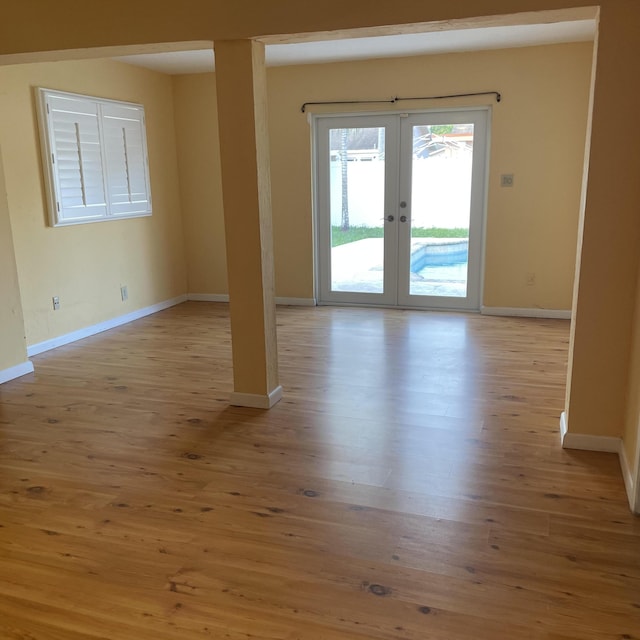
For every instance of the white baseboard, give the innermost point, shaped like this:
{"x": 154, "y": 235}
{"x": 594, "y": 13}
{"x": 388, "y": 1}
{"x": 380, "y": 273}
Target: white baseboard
{"x": 630, "y": 481}
{"x": 224, "y": 297}
{"x": 606, "y": 444}
{"x": 563, "y": 426}
{"x": 636, "y": 474}
{"x": 208, "y": 297}
{"x": 519, "y": 312}
{"x": 585, "y": 442}
{"x": 256, "y": 401}
{"x": 68, "y": 338}
{"x": 16, "y": 372}
{"x": 297, "y": 302}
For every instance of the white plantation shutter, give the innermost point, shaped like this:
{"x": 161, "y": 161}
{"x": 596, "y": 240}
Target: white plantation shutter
{"x": 76, "y": 158}
{"x": 95, "y": 158}
{"x": 126, "y": 159}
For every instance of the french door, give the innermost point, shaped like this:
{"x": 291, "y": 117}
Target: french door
{"x": 400, "y": 206}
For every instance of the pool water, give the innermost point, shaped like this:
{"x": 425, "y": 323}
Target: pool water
{"x": 448, "y": 280}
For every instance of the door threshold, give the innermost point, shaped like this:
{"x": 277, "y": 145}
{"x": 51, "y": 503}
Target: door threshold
{"x": 363, "y": 305}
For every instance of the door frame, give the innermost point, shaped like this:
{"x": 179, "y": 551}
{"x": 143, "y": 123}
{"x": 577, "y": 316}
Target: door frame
{"x": 478, "y": 205}
{"x": 323, "y": 197}
{"x": 321, "y": 274}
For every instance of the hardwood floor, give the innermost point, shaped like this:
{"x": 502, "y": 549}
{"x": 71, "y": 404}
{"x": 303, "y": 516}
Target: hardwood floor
{"x": 410, "y": 485}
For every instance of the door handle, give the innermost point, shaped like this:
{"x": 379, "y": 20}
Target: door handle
{"x": 390, "y": 218}
{"x": 403, "y": 218}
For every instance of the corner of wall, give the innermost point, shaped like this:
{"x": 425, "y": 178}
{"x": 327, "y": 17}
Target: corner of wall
{"x": 13, "y": 348}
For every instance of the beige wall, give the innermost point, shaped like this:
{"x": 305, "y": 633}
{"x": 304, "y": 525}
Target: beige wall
{"x": 540, "y": 136}
{"x": 538, "y": 133}
{"x": 13, "y": 348}
{"x": 606, "y": 292}
{"x": 85, "y": 265}
{"x": 196, "y": 125}
{"x": 631, "y": 433}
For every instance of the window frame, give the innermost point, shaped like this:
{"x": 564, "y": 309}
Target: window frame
{"x": 58, "y": 214}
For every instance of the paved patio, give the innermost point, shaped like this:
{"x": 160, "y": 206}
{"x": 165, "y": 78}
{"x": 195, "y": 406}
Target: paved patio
{"x": 358, "y": 267}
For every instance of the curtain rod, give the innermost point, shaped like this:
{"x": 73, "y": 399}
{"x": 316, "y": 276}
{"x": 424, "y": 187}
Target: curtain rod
{"x": 497, "y": 94}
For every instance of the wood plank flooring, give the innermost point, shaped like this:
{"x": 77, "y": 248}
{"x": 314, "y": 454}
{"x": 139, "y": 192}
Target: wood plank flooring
{"x": 410, "y": 485}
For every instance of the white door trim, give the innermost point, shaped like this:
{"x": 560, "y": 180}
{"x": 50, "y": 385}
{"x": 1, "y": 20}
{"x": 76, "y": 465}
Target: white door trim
{"x": 392, "y": 296}
{"x": 479, "y": 117}
{"x": 322, "y": 126}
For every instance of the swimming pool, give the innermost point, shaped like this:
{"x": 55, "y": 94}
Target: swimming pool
{"x": 438, "y": 252}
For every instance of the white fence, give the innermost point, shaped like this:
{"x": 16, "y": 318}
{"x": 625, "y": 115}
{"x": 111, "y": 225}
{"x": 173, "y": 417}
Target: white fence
{"x": 440, "y": 198}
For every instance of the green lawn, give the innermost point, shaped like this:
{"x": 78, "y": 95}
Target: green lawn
{"x": 338, "y": 236}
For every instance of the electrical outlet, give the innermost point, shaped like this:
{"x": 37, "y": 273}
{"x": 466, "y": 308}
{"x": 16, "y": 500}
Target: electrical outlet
{"x": 56, "y": 303}
{"x": 506, "y": 180}
{"x": 124, "y": 292}
{"x": 531, "y": 279}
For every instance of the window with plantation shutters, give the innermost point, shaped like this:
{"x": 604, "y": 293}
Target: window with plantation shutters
{"x": 95, "y": 158}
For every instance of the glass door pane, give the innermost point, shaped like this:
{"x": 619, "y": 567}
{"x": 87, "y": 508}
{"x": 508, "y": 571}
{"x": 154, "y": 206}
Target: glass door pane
{"x": 442, "y": 169}
{"x": 356, "y": 195}
{"x": 357, "y": 202}
{"x": 441, "y": 209}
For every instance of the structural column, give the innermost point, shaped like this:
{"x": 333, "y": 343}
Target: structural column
{"x": 246, "y": 191}
{"x": 608, "y": 255}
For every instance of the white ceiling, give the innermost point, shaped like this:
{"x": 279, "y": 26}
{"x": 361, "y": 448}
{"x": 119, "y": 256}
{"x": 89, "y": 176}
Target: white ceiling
{"x": 413, "y": 44}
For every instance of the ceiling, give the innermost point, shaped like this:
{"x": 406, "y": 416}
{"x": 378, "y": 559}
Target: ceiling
{"x": 391, "y": 46}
